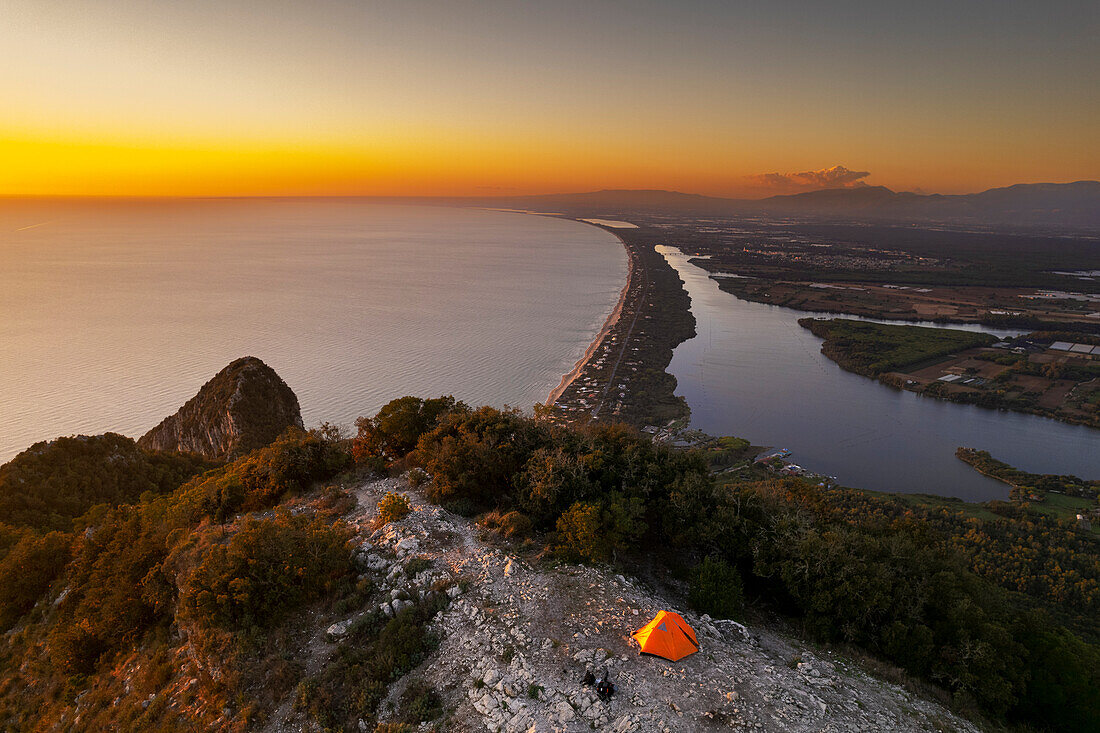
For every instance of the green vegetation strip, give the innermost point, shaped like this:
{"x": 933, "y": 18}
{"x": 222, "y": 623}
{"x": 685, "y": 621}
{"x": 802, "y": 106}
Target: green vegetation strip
{"x": 872, "y": 349}
{"x": 1061, "y": 496}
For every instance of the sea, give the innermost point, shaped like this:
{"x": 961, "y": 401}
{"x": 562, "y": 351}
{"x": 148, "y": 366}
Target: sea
{"x": 114, "y": 313}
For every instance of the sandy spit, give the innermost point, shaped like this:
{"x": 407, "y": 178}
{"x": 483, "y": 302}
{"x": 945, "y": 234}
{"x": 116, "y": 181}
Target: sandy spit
{"x": 612, "y": 319}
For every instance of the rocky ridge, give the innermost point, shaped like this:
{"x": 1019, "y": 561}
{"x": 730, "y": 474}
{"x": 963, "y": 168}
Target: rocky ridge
{"x": 245, "y": 406}
{"x": 517, "y": 637}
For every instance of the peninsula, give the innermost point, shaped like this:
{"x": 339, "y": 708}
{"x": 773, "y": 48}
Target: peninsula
{"x": 1055, "y": 374}
{"x": 622, "y": 375}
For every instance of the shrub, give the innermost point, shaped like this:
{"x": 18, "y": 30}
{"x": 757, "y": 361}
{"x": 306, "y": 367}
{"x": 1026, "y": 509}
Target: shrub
{"x": 515, "y": 524}
{"x": 393, "y": 507}
{"x": 9, "y": 536}
{"x": 27, "y": 571}
{"x": 716, "y": 589}
{"x": 116, "y": 589}
{"x": 417, "y": 477}
{"x": 355, "y": 597}
{"x": 509, "y": 524}
{"x": 579, "y": 535}
{"x": 371, "y": 464}
{"x": 552, "y": 480}
{"x": 336, "y": 502}
{"x": 594, "y": 532}
{"x": 416, "y": 566}
{"x": 477, "y": 455}
{"x": 282, "y": 675}
{"x": 75, "y": 648}
{"x": 419, "y": 703}
{"x": 292, "y": 464}
{"x": 268, "y": 568}
{"x": 394, "y": 431}
{"x": 378, "y": 652}
{"x": 120, "y": 585}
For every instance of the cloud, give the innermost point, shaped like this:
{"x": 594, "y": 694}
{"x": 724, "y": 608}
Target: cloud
{"x": 836, "y": 177}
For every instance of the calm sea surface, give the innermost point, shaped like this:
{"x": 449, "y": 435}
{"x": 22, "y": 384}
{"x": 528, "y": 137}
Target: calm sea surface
{"x": 753, "y": 371}
{"x": 114, "y": 315}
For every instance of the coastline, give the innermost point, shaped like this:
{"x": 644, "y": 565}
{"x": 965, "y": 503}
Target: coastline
{"x": 622, "y": 375}
{"x": 609, "y": 323}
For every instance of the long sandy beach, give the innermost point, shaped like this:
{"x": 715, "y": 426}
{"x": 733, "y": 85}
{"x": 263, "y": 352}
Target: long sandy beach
{"x": 608, "y": 324}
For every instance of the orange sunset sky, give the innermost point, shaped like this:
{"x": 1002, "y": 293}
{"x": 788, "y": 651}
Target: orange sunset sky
{"x": 452, "y": 97}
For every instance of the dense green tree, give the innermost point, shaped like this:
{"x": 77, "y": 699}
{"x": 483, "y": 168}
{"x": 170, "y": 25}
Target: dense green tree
{"x": 716, "y": 589}
{"x": 596, "y": 531}
{"x": 28, "y": 570}
{"x": 579, "y": 531}
{"x": 873, "y": 348}
{"x": 553, "y": 479}
{"x": 267, "y": 568}
{"x": 1064, "y": 675}
{"x": 995, "y": 604}
{"x": 394, "y": 431}
{"x": 51, "y": 484}
{"x": 477, "y": 455}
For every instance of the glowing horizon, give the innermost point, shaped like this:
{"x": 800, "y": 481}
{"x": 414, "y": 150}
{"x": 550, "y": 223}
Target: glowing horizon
{"x": 132, "y": 98}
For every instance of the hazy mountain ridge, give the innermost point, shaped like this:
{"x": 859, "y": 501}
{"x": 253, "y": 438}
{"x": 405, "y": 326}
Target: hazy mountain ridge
{"x": 1074, "y": 204}
{"x": 1058, "y": 203}
{"x": 245, "y": 406}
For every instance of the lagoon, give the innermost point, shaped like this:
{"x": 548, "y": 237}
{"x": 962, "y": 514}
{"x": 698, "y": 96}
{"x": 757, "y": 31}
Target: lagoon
{"x": 752, "y": 371}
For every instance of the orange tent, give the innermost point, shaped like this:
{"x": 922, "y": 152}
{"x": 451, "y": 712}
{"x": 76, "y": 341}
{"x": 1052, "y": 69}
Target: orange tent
{"x": 668, "y": 636}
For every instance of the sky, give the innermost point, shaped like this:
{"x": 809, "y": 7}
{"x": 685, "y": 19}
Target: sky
{"x": 457, "y": 97}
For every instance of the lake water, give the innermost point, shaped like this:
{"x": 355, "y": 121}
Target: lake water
{"x": 115, "y": 314}
{"x": 752, "y": 371}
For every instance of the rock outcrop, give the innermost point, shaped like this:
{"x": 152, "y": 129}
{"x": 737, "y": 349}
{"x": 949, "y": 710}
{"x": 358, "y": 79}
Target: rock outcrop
{"x": 244, "y": 407}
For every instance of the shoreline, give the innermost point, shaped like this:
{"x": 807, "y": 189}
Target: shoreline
{"x": 906, "y": 378}
{"x": 609, "y": 323}
{"x": 622, "y": 375}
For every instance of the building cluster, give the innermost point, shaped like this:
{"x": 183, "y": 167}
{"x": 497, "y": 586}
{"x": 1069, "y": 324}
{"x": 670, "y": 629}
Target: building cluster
{"x": 675, "y": 434}
{"x": 1063, "y": 295}
{"x": 964, "y": 379}
{"x": 777, "y": 463}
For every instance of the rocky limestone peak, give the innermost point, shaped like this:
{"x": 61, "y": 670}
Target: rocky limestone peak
{"x": 245, "y": 406}
{"x": 518, "y": 635}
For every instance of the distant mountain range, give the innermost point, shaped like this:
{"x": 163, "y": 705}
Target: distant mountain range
{"x": 1072, "y": 205}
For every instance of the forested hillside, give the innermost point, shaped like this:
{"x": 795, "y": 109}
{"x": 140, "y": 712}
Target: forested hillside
{"x": 993, "y": 607}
